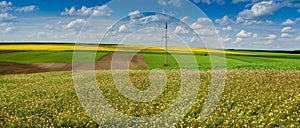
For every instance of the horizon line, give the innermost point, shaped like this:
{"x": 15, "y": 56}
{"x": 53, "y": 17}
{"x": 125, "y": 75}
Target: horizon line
{"x": 90, "y": 43}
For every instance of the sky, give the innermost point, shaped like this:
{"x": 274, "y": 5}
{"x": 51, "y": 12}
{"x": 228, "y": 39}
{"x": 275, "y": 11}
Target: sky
{"x": 236, "y": 24}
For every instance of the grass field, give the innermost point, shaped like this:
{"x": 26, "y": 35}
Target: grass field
{"x": 284, "y": 62}
{"x": 248, "y": 60}
{"x": 262, "y": 88}
{"x": 251, "y": 98}
{"x": 154, "y": 56}
{"x": 44, "y": 56}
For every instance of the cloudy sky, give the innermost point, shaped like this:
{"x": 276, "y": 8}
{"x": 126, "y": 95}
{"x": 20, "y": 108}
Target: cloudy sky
{"x": 243, "y": 24}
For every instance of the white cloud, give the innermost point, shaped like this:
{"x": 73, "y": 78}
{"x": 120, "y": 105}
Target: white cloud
{"x": 162, "y": 2}
{"x": 224, "y": 21}
{"x": 238, "y": 40}
{"x": 255, "y": 22}
{"x": 148, "y": 19}
{"x": 135, "y": 15}
{"x": 75, "y": 24}
{"x": 228, "y": 28}
{"x": 48, "y": 26}
{"x": 193, "y": 39}
{"x": 206, "y": 32}
{"x": 221, "y": 2}
{"x": 298, "y": 10}
{"x": 5, "y": 3}
{"x": 26, "y": 8}
{"x": 203, "y": 26}
{"x": 85, "y": 11}
{"x": 286, "y": 35}
{"x": 297, "y": 38}
{"x": 5, "y": 6}
{"x": 226, "y": 38}
{"x": 102, "y": 11}
{"x": 59, "y": 22}
{"x": 244, "y": 34}
{"x": 122, "y": 28}
{"x": 5, "y": 24}
{"x": 176, "y": 3}
{"x": 184, "y": 19}
{"x": 252, "y": 21}
{"x": 6, "y": 17}
{"x": 181, "y": 30}
{"x": 287, "y": 29}
{"x": 288, "y": 22}
{"x": 269, "y": 42}
{"x": 201, "y": 22}
{"x": 255, "y": 35}
{"x": 70, "y": 11}
{"x": 8, "y": 29}
{"x": 138, "y": 18}
{"x": 260, "y": 9}
{"x": 291, "y": 3}
{"x": 271, "y": 37}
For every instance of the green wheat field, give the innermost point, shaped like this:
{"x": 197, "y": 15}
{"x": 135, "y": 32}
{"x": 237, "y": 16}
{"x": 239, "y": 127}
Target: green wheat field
{"x": 262, "y": 89}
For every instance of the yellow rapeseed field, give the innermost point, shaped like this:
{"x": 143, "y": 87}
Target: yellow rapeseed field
{"x": 125, "y": 48}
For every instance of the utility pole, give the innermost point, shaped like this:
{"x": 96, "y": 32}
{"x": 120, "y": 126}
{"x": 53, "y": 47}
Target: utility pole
{"x": 166, "y": 54}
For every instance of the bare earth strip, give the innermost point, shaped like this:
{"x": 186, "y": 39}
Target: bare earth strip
{"x": 17, "y": 68}
{"x": 7, "y": 51}
{"x": 121, "y": 60}
{"x": 102, "y": 64}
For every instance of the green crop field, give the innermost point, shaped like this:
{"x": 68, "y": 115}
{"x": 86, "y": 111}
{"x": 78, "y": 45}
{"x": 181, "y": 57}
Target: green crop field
{"x": 44, "y": 56}
{"x": 149, "y": 63}
{"x": 249, "y": 60}
{"x": 266, "y": 98}
{"x": 262, "y": 89}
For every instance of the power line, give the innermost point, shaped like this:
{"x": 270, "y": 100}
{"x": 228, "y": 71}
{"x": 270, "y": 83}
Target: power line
{"x": 166, "y": 51}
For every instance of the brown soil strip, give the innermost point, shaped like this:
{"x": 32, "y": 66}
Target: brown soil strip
{"x": 7, "y": 51}
{"x": 121, "y": 61}
{"x": 16, "y": 68}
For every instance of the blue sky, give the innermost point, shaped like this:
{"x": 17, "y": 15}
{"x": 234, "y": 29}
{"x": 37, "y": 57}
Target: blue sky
{"x": 242, "y": 24}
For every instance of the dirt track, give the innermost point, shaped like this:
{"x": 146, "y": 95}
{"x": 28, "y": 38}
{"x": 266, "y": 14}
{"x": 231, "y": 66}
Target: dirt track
{"x": 7, "y": 51}
{"x": 103, "y": 63}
